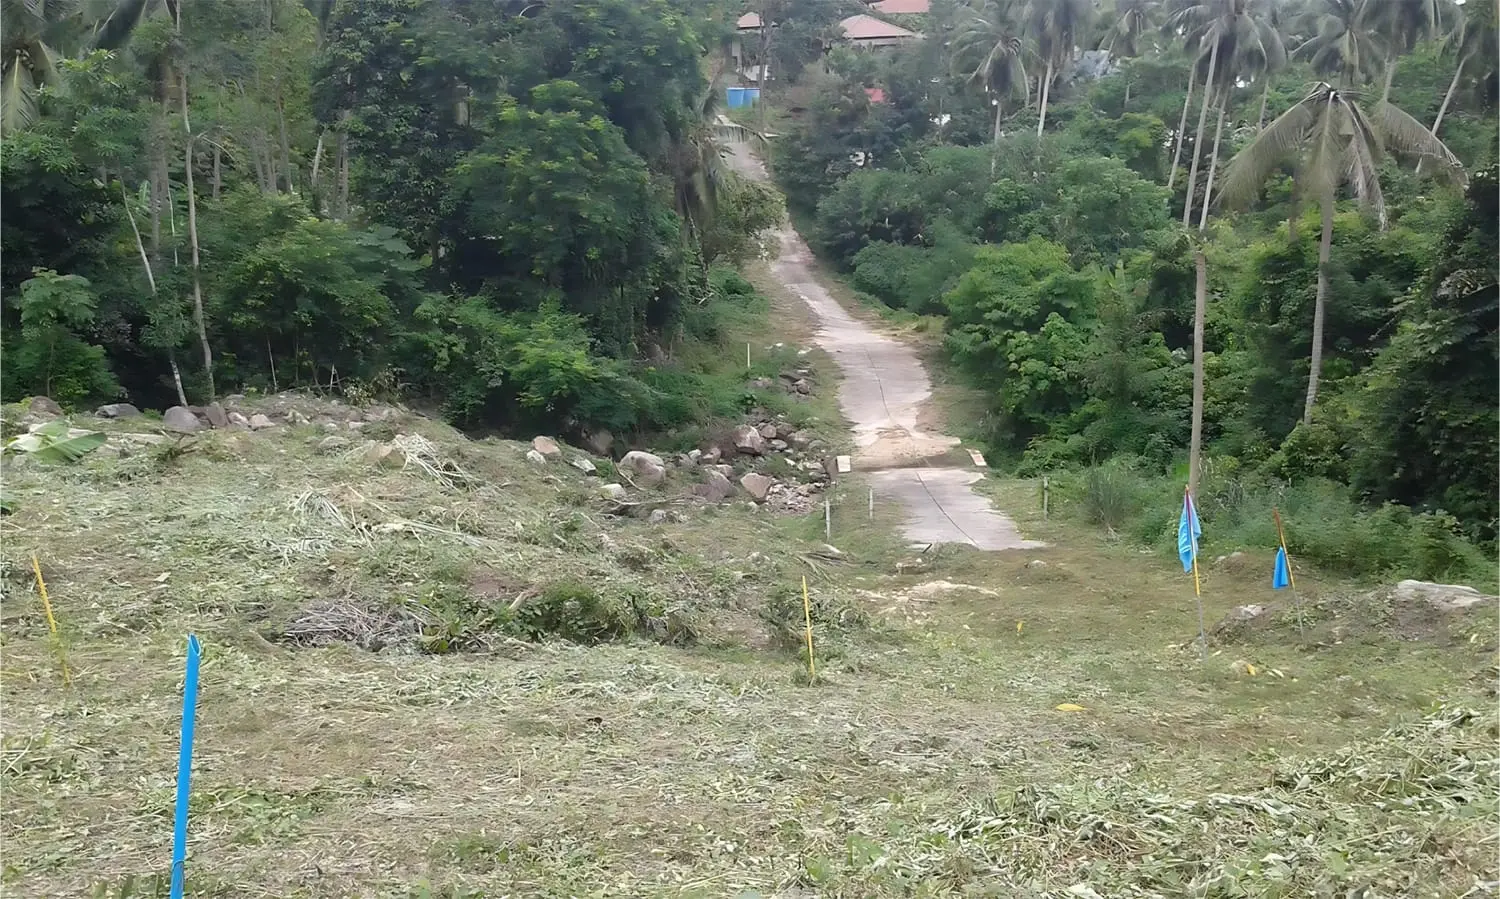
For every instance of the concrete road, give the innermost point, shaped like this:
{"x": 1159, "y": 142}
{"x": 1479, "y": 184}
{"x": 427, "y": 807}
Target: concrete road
{"x": 882, "y": 392}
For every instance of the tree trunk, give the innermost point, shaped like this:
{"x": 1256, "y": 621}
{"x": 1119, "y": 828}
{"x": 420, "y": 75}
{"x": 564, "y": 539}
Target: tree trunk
{"x": 1315, "y": 368}
{"x": 1181, "y": 130}
{"x": 1200, "y": 307}
{"x": 1390, "y": 76}
{"x": 317, "y": 160}
{"x": 1448, "y": 97}
{"x": 1213, "y": 162}
{"x": 341, "y": 201}
{"x": 192, "y": 204}
{"x": 218, "y": 173}
{"x": 1192, "y": 184}
{"x": 1126, "y": 104}
{"x": 1265, "y": 94}
{"x": 995, "y": 147}
{"x": 177, "y": 379}
{"x": 286, "y": 146}
{"x": 1046, "y": 90}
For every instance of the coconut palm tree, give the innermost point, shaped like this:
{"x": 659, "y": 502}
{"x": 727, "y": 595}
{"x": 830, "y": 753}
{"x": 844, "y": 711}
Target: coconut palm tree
{"x": 1402, "y": 24}
{"x": 1332, "y": 142}
{"x": 1472, "y": 36}
{"x": 1343, "y": 41}
{"x": 1233, "y": 35}
{"x": 1055, "y": 27}
{"x": 1132, "y": 19}
{"x": 988, "y": 49}
{"x": 34, "y": 36}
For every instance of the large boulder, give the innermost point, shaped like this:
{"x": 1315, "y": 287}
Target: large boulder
{"x": 748, "y": 441}
{"x": 216, "y": 415}
{"x": 715, "y": 487}
{"x": 648, "y": 469}
{"x": 259, "y": 422}
{"x": 711, "y": 456}
{"x": 1442, "y": 597}
{"x": 768, "y": 431}
{"x": 546, "y": 446}
{"x": 117, "y": 410}
{"x": 42, "y": 405}
{"x": 616, "y": 492}
{"x": 182, "y": 419}
{"x": 757, "y": 485}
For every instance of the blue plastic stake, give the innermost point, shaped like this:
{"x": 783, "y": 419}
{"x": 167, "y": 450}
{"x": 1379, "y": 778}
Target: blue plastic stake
{"x": 185, "y": 766}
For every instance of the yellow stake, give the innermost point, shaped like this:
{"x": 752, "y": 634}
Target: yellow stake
{"x": 812, "y": 671}
{"x": 41, "y": 587}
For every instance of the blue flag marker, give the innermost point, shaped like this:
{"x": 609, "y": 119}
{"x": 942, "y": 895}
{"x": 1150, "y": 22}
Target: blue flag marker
{"x": 1282, "y": 576}
{"x": 185, "y": 766}
{"x": 1188, "y": 532}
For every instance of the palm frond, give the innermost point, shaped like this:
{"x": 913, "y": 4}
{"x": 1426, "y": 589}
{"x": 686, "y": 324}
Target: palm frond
{"x": 1404, "y": 134}
{"x": 17, "y": 97}
{"x": 1272, "y": 147}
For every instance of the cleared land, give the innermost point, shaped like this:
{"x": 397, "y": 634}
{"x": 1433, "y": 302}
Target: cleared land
{"x": 374, "y": 722}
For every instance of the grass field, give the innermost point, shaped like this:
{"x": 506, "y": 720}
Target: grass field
{"x": 375, "y": 721}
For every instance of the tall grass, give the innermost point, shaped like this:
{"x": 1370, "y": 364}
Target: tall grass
{"x": 1325, "y": 523}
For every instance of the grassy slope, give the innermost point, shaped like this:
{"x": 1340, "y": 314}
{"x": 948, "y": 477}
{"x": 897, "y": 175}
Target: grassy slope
{"x": 930, "y": 760}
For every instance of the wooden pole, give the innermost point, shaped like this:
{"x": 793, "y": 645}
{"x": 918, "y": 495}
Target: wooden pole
{"x": 812, "y": 670}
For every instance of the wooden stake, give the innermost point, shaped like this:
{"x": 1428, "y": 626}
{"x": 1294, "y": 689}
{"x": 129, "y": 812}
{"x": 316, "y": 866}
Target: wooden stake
{"x": 812, "y": 670}
{"x": 41, "y": 588}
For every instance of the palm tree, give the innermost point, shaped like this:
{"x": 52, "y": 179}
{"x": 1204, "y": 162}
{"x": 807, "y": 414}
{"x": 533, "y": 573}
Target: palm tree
{"x": 1343, "y": 41}
{"x": 1055, "y": 27}
{"x": 1133, "y": 18}
{"x": 34, "y": 36}
{"x": 1233, "y": 35}
{"x": 1402, "y": 24}
{"x": 1332, "y": 141}
{"x": 1473, "y": 36}
{"x": 987, "y": 45}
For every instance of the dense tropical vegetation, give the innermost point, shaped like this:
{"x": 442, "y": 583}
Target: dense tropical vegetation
{"x": 520, "y": 212}
{"x": 1046, "y": 177}
{"x": 511, "y": 209}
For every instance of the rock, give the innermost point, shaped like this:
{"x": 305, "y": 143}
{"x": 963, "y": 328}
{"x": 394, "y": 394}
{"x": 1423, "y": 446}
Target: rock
{"x": 802, "y": 386}
{"x": 379, "y": 413}
{"x": 724, "y": 469}
{"x": 42, "y": 405}
{"x": 1036, "y": 565}
{"x": 1442, "y": 597}
{"x": 695, "y": 455}
{"x": 748, "y": 441}
{"x": 683, "y": 460}
{"x": 615, "y": 492}
{"x": 296, "y": 418}
{"x": 762, "y": 383}
{"x": 332, "y": 444}
{"x": 546, "y": 447}
{"x": 239, "y": 420}
{"x": 217, "y": 416}
{"x": 180, "y": 418}
{"x": 355, "y": 425}
{"x": 757, "y": 485}
{"x": 1246, "y": 613}
{"x": 259, "y": 422}
{"x": 784, "y": 429}
{"x": 584, "y": 465}
{"x": 535, "y": 458}
{"x": 767, "y": 431}
{"x": 1234, "y": 558}
{"x": 381, "y": 454}
{"x": 658, "y": 516}
{"x": 779, "y": 446}
{"x": 715, "y": 487}
{"x": 648, "y": 468}
{"x": 800, "y": 439}
{"x": 1240, "y": 666}
{"x": 599, "y": 442}
{"x": 711, "y": 456}
{"x": 117, "y": 410}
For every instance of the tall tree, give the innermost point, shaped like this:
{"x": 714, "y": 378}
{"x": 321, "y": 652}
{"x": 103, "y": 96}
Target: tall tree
{"x": 1342, "y": 41}
{"x": 1402, "y": 24}
{"x": 1472, "y": 37}
{"x": 1056, "y": 27}
{"x": 1332, "y": 141}
{"x": 987, "y": 49}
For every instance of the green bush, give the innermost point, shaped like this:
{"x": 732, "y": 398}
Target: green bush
{"x": 574, "y": 612}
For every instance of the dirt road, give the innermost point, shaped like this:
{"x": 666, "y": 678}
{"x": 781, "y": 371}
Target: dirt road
{"x": 882, "y": 392}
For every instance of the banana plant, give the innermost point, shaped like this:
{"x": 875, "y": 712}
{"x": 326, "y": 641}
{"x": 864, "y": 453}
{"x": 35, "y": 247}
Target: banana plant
{"x": 55, "y": 443}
